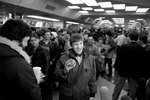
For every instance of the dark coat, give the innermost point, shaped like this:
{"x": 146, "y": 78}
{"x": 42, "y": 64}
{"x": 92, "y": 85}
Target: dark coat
{"x": 41, "y": 58}
{"x": 18, "y": 81}
{"x": 130, "y": 60}
{"x": 79, "y": 82}
{"x": 147, "y": 62}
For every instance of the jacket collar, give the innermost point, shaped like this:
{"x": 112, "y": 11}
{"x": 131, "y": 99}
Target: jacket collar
{"x": 15, "y": 46}
{"x": 73, "y": 55}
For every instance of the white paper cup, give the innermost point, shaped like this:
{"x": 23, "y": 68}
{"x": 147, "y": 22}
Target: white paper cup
{"x": 38, "y": 73}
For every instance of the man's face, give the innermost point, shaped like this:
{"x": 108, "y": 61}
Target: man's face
{"x": 78, "y": 47}
{"x": 35, "y": 41}
{"x": 47, "y": 35}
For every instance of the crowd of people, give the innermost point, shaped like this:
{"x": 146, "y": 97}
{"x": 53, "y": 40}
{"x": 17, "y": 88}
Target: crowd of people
{"x": 36, "y": 62}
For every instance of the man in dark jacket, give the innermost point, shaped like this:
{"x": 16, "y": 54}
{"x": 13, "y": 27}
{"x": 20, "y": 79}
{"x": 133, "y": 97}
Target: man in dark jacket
{"x": 129, "y": 64}
{"x": 77, "y": 72}
{"x": 40, "y": 58}
{"x": 18, "y": 81}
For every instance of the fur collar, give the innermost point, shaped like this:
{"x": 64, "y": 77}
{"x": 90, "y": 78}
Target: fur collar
{"x": 15, "y": 46}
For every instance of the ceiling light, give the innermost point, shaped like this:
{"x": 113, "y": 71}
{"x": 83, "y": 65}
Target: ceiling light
{"x": 83, "y": 12}
{"x": 43, "y": 18}
{"x": 110, "y": 11}
{"x": 116, "y": 25}
{"x": 123, "y": 25}
{"x": 139, "y": 19}
{"x": 131, "y": 21}
{"x": 142, "y": 10}
{"x": 87, "y": 8}
{"x": 119, "y": 6}
{"x": 73, "y": 7}
{"x": 105, "y": 4}
{"x": 99, "y": 10}
{"x": 75, "y": 1}
{"x": 39, "y": 24}
{"x": 118, "y": 20}
{"x": 69, "y": 22}
{"x": 90, "y": 2}
{"x": 131, "y": 8}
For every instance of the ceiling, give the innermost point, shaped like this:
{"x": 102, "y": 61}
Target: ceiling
{"x": 6, "y": 8}
{"x": 119, "y": 13}
{"x": 92, "y": 15}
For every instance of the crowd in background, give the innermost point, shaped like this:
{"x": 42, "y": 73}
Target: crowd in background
{"x": 120, "y": 57}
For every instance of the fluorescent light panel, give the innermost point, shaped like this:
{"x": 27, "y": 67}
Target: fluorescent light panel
{"x": 75, "y": 1}
{"x": 116, "y": 25}
{"x": 131, "y": 21}
{"x": 123, "y": 25}
{"x": 119, "y": 6}
{"x": 105, "y": 4}
{"x": 73, "y": 7}
{"x": 131, "y": 8}
{"x": 99, "y": 10}
{"x": 69, "y": 22}
{"x": 42, "y": 18}
{"x": 87, "y": 8}
{"x": 139, "y": 19}
{"x": 110, "y": 11}
{"x": 90, "y": 2}
{"x": 142, "y": 10}
{"x": 118, "y": 20}
{"x": 84, "y": 12}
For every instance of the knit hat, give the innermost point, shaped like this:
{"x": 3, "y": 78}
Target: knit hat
{"x": 76, "y": 37}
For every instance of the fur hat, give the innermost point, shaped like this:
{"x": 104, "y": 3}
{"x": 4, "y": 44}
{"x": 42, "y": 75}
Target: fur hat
{"x": 76, "y": 37}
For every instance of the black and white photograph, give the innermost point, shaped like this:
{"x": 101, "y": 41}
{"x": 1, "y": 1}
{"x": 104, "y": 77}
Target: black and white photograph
{"x": 74, "y": 49}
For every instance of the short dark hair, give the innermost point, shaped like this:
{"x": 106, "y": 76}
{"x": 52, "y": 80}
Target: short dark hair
{"x": 15, "y": 29}
{"x": 35, "y": 35}
{"x": 134, "y": 35}
{"x": 42, "y": 31}
{"x": 109, "y": 33}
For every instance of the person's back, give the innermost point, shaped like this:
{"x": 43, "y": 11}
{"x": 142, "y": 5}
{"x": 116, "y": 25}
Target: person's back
{"x": 130, "y": 65}
{"x": 17, "y": 78}
{"x": 18, "y": 81}
{"x": 130, "y": 57}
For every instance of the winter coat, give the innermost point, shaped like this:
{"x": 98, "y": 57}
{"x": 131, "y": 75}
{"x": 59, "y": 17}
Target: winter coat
{"x": 41, "y": 58}
{"x": 79, "y": 82}
{"x": 18, "y": 81}
{"x": 130, "y": 60}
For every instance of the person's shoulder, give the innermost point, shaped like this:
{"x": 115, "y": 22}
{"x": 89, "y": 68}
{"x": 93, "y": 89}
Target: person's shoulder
{"x": 89, "y": 56}
{"x": 42, "y": 49}
{"x": 147, "y": 47}
{"x": 64, "y": 56}
{"x": 18, "y": 62}
{"x": 17, "y": 65}
{"x": 126, "y": 45}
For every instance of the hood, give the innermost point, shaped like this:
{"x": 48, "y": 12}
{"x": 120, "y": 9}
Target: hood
{"x": 11, "y": 48}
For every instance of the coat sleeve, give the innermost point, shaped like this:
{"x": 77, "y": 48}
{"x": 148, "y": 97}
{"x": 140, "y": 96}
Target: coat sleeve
{"x": 26, "y": 79}
{"x": 60, "y": 72}
{"x": 92, "y": 81}
{"x": 116, "y": 64}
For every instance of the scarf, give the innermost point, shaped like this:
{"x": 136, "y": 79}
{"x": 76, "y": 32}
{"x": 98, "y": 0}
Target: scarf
{"x": 15, "y": 46}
